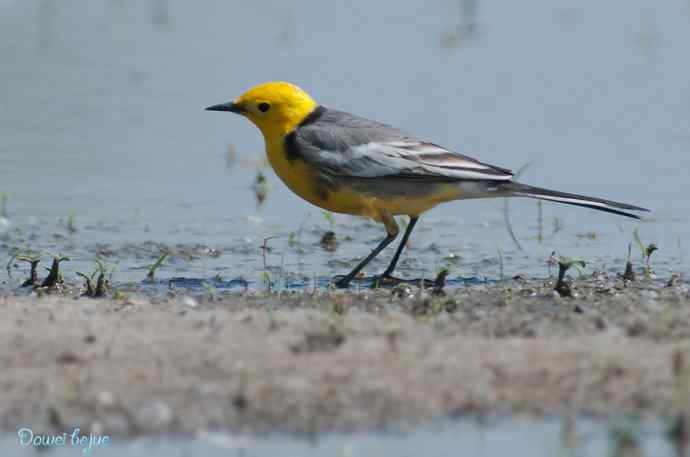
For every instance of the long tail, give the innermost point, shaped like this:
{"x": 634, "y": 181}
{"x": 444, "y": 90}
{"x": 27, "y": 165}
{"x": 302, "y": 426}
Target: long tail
{"x": 523, "y": 190}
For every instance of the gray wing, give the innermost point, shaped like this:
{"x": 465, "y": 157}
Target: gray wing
{"x": 345, "y": 145}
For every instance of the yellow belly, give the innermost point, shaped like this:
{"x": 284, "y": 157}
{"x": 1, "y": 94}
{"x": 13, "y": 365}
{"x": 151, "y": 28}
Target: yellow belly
{"x": 301, "y": 178}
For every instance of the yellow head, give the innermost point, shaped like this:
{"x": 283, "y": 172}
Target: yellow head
{"x": 276, "y": 108}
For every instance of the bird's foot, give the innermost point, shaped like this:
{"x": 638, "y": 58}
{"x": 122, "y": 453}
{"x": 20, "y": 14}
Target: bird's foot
{"x": 384, "y": 281}
{"x": 388, "y": 280}
{"x": 341, "y": 282}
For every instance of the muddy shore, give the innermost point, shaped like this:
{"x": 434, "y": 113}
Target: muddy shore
{"x": 310, "y": 362}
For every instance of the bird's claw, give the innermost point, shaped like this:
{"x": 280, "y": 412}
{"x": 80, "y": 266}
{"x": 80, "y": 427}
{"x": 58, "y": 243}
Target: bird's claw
{"x": 384, "y": 280}
{"x": 341, "y": 282}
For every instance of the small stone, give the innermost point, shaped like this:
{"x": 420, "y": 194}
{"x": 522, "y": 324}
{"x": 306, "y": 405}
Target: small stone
{"x": 105, "y": 399}
{"x": 154, "y": 416}
{"x": 133, "y": 301}
{"x": 600, "y": 323}
{"x": 97, "y": 428}
{"x": 4, "y": 226}
{"x": 629, "y": 274}
{"x": 68, "y": 357}
{"x": 329, "y": 242}
{"x": 117, "y": 423}
{"x": 451, "y": 306}
{"x": 190, "y": 301}
{"x": 673, "y": 280}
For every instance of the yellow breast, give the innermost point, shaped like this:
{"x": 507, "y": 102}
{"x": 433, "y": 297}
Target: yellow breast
{"x": 303, "y": 180}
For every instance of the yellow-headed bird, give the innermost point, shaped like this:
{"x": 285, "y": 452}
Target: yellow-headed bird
{"x": 348, "y": 164}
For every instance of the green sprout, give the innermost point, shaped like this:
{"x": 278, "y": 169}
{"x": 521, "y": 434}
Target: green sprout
{"x": 540, "y": 220}
{"x": 646, "y": 251}
{"x": 54, "y": 277}
{"x": 440, "y": 283}
{"x": 500, "y": 265}
{"x": 102, "y": 284}
{"x": 266, "y": 279}
{"x": 71, "y": 222}
{"x": 551, "y": 261}
{"x": 90, "y": 290}
{"x": 564, "y": 264}
{"x": 265, "y": 248}
{"x": 506, "y": 207}
{"x": 260, "y": 187}
{"x": 210, "y": 290}
{"x": 153, "y": 268}
{"x": 331, "y": 220}
{"x": 3, "y": 205}
{"x": 629, "y": 274}
{"x": 32, "y": 281}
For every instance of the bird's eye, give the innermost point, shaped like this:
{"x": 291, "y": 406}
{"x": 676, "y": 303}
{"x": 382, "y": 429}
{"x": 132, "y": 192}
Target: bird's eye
{"x": 263, "y": 107}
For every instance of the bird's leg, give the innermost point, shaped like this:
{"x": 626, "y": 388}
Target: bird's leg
{"x": 387, "y": 278}
{"x": 391, "y": 233}
{"x": 410, "y": 226}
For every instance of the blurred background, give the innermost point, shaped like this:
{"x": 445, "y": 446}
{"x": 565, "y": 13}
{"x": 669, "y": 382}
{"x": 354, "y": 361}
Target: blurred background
{"x": 102, "y": 118}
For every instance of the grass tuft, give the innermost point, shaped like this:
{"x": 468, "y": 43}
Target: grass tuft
{"x": 564, "y": 264}
{"x": 440, "y": 283}
{"x": 150, "y": 276}
{"x": 54, "y": 278}
{"x": 629, "y": 274}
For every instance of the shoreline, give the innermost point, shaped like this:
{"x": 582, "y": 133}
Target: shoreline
{"x": 304, "y": 363}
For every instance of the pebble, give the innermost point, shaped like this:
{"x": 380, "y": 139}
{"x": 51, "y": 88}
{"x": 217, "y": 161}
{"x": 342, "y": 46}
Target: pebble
{"x": 105, "y": 399}
{"x": 4, "y": 226}
{"x": 154, "y": 416}
{"x": 190, "y": 301}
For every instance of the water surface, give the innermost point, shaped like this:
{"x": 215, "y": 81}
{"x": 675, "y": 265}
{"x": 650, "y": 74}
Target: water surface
{"x": 517, "y": 437}
{"x": 101, "y": 118}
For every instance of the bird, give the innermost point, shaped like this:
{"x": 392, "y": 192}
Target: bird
{"x": 347, "y": 164}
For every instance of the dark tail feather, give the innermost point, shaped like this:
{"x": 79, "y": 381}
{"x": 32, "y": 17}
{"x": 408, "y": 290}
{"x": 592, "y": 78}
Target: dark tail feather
{"x": 523, "y": 190}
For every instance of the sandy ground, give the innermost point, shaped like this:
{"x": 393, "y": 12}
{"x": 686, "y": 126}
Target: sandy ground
{"x": 304, "y": 362}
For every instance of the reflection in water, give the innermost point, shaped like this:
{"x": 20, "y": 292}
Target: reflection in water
{"x": 120, "y": 118}
{"x": 260, "y": 188}
{"x": 45, "y": 17}
{"x": 136, "y": 77}
{"x": 505, "y": 437}
{"x": 466, "y": 30}
{"x": 160, "y": 14}
{"x": 570, "y": 439}
{"x": 230, "y": 158}
{"x": 679, "y": 431}
{"x": 289, "y": 30}
{"x": 647, "y": 38}
{"x": 678, "y": 435}
{"x": 626, "y": 442}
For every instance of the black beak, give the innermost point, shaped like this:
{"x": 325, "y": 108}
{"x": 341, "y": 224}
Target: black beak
{"x": 230, "y": 106}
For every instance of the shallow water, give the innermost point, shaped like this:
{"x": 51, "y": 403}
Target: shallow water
{"x": 518, "y": 437}
{"x": 101, "y": 118}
